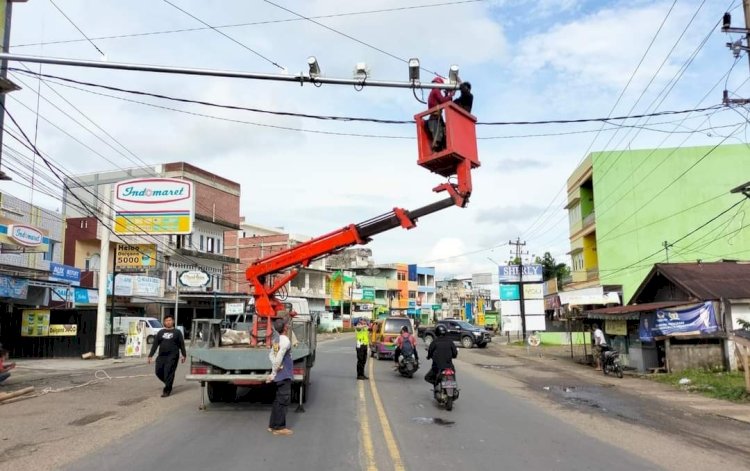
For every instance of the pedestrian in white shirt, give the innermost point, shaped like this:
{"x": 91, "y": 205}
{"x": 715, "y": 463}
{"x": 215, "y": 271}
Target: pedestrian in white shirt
{"x": 600, "y": 346}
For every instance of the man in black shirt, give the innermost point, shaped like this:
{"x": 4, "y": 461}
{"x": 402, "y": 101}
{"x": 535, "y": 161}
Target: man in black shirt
{"x": 466, "y": 100}
{"x": 441, "y": 351}
{"x": 170, "y": 343}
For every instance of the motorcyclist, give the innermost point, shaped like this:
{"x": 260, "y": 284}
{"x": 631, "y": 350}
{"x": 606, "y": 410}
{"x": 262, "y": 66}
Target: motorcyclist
{"x": 402, "y": 345}
{"x": 441, "y": 351}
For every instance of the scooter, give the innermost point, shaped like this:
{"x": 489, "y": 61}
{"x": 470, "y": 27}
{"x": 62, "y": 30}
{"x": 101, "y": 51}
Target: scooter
{"x": 407, "y": 365}
{"x": 446, "y": 388}
{"x": 611, "y": 363}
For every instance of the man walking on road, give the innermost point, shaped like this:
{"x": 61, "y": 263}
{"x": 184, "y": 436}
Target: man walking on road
{"x": 281, "y": 375}
{"x": 170, "y": 343}
{"x": 363, "y": 345}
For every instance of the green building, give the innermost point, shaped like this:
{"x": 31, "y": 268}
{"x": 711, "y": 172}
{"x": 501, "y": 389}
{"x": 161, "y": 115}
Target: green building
{"x": 630, "y": 209}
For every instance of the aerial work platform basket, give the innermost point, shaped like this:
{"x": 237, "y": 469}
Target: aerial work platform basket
{"x": 460, "y": 148}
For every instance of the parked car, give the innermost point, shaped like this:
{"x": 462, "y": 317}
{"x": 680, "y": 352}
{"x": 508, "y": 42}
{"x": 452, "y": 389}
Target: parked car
{"x": 150, "y": 325}
{"x": 466, "y": 334}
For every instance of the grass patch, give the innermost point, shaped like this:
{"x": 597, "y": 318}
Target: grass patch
{"x": 717, "y": 384}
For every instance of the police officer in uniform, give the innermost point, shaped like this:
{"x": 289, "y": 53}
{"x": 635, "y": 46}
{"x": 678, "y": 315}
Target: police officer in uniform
{"x": 363, "y": 345}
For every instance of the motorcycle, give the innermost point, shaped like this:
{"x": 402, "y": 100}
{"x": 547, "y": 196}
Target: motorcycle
{"x": 446, "y": 388}
{"x": 5, "y": 365}
{"x": 611, "y": 363}
{"x": 407, "y": 365}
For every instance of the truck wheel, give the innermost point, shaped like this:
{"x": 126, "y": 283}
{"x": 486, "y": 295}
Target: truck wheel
{"x": 467, "y": 342}
{"x": 213, "y": 390}
{"x": 230, "y": 393}
{"x": 428, "y": 339}
{"x": 150, "y": 339}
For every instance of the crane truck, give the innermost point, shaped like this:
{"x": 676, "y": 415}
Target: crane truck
{"x": 222, "y": 363}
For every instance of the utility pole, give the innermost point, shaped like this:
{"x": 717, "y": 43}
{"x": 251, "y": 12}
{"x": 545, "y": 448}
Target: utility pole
{"x": 736, "y": 46}
{"x": 666, "y": 249}
{"x": 6, "y": 12}
{"x": 101, "y": 310}
{"x": 519, "y": 254}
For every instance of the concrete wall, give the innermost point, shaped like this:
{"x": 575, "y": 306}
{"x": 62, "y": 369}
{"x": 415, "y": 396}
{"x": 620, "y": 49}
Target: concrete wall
{"x": 639, "y": 205}
{"x": 683, "y": 357}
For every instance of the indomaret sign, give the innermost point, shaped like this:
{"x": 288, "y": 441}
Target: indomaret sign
{"x": 154, "y": 206}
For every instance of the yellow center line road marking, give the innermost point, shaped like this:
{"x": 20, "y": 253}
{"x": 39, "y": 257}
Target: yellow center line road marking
{"x": 390, "y": 441}
{"x": 364, "y": 427}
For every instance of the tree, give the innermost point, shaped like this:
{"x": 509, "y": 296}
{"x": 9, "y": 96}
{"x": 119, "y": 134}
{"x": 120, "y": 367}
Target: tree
{"x": 552, "y": 269}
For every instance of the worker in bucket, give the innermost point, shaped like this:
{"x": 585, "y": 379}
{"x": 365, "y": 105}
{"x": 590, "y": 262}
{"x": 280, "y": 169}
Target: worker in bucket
{"x": 281, "y": 376}
{"x": 435, "y": 123}
{"x": 170, "y": 343}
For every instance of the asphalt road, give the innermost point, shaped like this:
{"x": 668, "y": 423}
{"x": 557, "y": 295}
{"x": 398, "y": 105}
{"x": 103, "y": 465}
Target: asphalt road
{"x": 387, "y": 423}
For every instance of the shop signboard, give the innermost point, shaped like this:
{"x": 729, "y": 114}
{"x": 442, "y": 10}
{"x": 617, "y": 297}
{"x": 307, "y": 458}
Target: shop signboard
{"x": 509, "y": 293}
{"x": 234, "y": 308}
{"x": 154, "y": 206}
{"x": 533, "y": 291}
{"x": 615, "y": 327}
{"x": 514, "y": 273}
{"x": 368, "y": 294}
{"x": 65, "y": 273}
{"x": 194, "y": 278}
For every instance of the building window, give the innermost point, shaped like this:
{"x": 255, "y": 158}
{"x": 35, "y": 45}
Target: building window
{"x": 172, "y": 278}
{"x": 401, "y": 276}
{"x": 218, "y": 245}
{"x": 201, "y": 246}
{"x": 48, "y": 255}
{"x": 210, "y": 244}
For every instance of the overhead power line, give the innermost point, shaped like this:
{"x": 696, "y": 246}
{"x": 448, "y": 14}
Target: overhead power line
{"x": 76, "y": 27}
{"x": 347, "y": 118}
{"x": 224, "y": 34}
{"x": 254, "y": 23}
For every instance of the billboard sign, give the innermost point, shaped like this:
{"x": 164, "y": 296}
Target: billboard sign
{"x": 154, "y": 206}
{"x": 533, "y": 291}
{"x": 234, "y": 308}
{"x": 512, "y": 273}
{"x": 136, "y": 256}
{"x": 509, "y": 293}
{"x": 194, "y": 278}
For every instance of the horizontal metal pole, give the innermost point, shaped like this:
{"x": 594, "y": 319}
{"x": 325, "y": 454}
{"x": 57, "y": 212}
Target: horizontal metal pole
{"x": 299, "y": 78}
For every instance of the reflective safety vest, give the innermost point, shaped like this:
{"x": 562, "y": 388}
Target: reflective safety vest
{"x": 363, "y": 337}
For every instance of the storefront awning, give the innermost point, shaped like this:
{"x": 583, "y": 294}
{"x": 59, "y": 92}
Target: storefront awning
{"x": 632, "y": 311}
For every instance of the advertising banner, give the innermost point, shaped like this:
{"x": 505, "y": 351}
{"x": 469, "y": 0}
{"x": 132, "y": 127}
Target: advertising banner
{"x": 63, "y": 330}
{"x": 135, "y": 339}
{"x": 35, "y": 323}
{"x": 136, "y": 256}
{"x": 154, "y": 206}
{"x": 13, "y": 287}
{"x": 692, "y": 320}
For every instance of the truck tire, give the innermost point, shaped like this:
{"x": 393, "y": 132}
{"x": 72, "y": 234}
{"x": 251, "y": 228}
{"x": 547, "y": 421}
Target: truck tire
{"x": 467, "y": 342}
{"x": 221, "y": 392}
{"x": 150, "y": 339}
{"x": 213, "y": 390}
{"x": 428, "y": 339}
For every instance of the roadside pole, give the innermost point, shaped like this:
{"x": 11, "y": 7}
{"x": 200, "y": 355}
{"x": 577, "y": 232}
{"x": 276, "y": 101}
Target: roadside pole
{"x": 114, "y": 345}
{"x": 101, "y": 309}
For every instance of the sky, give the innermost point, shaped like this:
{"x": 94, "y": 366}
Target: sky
{"x": 536, "y": 60}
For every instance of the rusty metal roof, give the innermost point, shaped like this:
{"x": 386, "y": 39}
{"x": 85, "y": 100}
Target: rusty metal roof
{"x": 707, "y": 281}
{"x": 635, "y": 308}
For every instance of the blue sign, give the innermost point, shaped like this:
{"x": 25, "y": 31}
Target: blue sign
{"x": 60, "y": 272}
{"x": 512, "y": 273}
{"x": 509, "y": 293}
{"x": 13, "y": 287}
{"x": 684, "y": 321}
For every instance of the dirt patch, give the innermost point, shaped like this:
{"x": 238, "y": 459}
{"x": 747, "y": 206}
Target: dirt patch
{"x": 131, "y": 401}
{"x": 17, "y": 451}
{"x": 91, "y": 418}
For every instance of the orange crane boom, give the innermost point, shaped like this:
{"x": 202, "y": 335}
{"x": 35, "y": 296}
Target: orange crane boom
{"x": 456, "y": 159}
